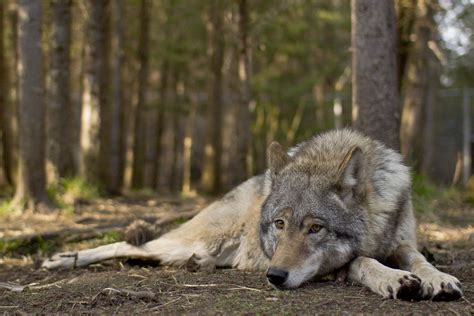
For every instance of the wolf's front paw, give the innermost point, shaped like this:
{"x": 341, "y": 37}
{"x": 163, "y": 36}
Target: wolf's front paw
{"x": 441, "y": 286}
{"x": 405, "y": 286}
{"x": 196, "y": 263}
{"x": 61, "y": 260}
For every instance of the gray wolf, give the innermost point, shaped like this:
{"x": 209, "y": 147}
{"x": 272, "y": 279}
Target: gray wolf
{"x": 339, "y": 201}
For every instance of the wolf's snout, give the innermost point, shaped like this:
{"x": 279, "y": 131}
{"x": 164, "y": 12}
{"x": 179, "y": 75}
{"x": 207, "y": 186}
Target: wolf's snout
{"x": 276, "y": 276}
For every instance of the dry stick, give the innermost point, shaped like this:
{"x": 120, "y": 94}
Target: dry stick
{"x": 240, "y": 287}
{"x": 21, "y": 288}
{"x": 138, "y": 294}
{"x": 165, "y": 304}
{"x": 469, "y": 302}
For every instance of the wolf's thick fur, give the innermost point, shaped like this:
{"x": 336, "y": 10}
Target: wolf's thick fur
{"x": 337, "y": 201}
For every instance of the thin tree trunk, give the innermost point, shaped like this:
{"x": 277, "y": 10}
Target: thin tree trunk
{"x": 31, "y": 188}
{"x": 375, "y": 107}
{"x": 59, "y": 149}
{"x": 77, "y": 83}
{"x": 416, "y": 84}
{"x": 141, "y": 111}
{"x": 94, "y": 91}
{"x": 210, "y": 180}
{"x": 467, "y": 132}
{"x": 167, "y": 143}
{"x": 243, "y": 158}
{"x": 406, "y": 16}
{"x": 428, "y": 154}
{"x": 9, "y": 119}
{"x": 178, "y": 146}
{"x": 188, "y": 148}
{"x": 3, "y": 89}
{"x": 115, "y": 165}
{"x": 161, "y": 168}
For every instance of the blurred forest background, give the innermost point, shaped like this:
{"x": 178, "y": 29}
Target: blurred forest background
{"x": 182, "y": 97}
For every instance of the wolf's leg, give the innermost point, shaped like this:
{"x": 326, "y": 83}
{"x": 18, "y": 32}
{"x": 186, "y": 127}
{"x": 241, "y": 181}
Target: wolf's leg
{"x": 388, "y": 282}
{"x": 436, "y": 285}
{"x": 169, "y": 251}
{"x": 88, "y": 256}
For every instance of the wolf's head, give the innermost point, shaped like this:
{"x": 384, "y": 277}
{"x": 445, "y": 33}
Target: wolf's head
{"x": 311, "y": 221}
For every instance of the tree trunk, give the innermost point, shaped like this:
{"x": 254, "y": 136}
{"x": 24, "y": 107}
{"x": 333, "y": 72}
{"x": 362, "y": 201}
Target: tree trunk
{"x": 9, "y": 117}
{"x": 210, "y": 180}
{"x": 406, "y": 16}
{"x": 466, "y": 132}
{"x": 162, "y": 169}
{"x": 3, "y": 89}
{"x": 188, "y": 148}
{"x": 59, "y": 149}
{"x": 32, "y": 175}
{"x": 114, "y": 175}
{"x": 167, "y": 143}
{"x": 416, "y": 83}
{"x": 243, "y": 158}
{"x": 94, "y": 91}
{"x": 375, "y": 107}
{"x": 428, "y": 148}
{"x": 178, "y": 122}
{"x": 139, "y": 147}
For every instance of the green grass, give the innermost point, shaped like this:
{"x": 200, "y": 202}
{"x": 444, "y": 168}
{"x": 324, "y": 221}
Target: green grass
{"x": 111, "y": 237}
{"x": 69, "y": 190}
{"x": 6, "y": 207}
{"x": 428, "y": 197}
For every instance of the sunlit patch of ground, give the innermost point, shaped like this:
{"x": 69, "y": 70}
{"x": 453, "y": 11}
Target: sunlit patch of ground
{"x": 438, "y": 232}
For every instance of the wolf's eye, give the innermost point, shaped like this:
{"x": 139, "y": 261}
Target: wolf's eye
{"x": 279, "y": 224}
{"x": 315, "y": 228}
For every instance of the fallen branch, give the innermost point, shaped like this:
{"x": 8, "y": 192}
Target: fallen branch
{"x": 79, "y": 234}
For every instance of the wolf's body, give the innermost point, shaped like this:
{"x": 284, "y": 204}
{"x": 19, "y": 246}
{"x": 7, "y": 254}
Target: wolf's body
{"x": 337, "y": 200}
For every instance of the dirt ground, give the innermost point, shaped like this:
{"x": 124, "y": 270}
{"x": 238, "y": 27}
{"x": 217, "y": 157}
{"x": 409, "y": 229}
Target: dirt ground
{"x": 125, "y": 286}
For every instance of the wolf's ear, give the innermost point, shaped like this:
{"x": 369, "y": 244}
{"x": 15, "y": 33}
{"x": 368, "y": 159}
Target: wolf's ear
{"x": 277, "y": 158}
{"x": 350, "y": 172}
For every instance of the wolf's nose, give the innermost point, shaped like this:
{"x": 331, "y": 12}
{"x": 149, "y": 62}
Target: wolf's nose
{"x": 276, "y": 276}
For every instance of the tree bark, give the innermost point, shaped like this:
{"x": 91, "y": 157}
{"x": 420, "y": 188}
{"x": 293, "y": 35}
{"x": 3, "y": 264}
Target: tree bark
{"x": 210, "y": 180}
{"x": 3, "y": 89}
{"x": 94, "y": 91}
{"x": 406, "y": 16}
{"x": 114, "y": 174}
{"x": 139, "y": 147}
{"x": 243, "y": 158}
{"x": 31, "y": 185}
{"x": 59, "y": 150}
{"x": 9, "y": 117}
{"x": 417, "y": 81}
{"x": 168, "y": 134}
{"x": 375, "y": 101}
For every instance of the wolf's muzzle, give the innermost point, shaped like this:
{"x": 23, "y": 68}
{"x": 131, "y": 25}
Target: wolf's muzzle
{"x": 276, "y": 276}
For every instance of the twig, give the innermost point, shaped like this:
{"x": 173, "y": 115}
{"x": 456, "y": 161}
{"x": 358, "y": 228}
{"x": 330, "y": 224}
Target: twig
{"x": 200, "y": 285}
{"x": 32, "y": 286}
{"x": 165, "y": 304}
{"x": 453, "y": 311}
{"x": 239, "y": 287}
{"x": 138, "y": 294}
{"x": 469, "y": 302}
